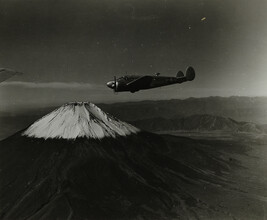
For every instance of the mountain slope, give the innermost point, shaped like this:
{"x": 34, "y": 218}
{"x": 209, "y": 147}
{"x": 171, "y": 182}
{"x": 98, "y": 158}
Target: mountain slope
{"x": 124, "y": 178}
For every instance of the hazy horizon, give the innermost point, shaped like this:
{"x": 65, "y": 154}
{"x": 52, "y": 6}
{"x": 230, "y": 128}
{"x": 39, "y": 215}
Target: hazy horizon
{"x": 17, "y": 108}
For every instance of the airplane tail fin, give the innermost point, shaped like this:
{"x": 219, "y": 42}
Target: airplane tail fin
{"x": 190, "y": 73}
{"x": 180, "y": 74}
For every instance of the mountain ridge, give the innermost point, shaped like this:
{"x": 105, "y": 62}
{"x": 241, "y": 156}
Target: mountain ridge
{"x": 250, "y": 109}
{"x": 202, "y": 122}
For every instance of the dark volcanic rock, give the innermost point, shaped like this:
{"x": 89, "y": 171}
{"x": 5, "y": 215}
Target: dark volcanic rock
{"x": 131, "y": 177}
{"x": 80, "y": 179}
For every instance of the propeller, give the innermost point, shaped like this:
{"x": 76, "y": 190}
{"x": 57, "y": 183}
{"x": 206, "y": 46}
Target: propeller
{"x": 115, "y": 85}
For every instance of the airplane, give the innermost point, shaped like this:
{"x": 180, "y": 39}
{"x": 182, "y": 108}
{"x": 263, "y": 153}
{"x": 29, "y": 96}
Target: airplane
{"x": 7, "y": 73}
{"x": 134, "y": 83}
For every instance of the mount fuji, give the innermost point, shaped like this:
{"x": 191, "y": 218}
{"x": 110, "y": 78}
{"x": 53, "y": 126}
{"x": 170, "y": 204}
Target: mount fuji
{"x": 76, "y": 120}
{"x": 79, "y": 162}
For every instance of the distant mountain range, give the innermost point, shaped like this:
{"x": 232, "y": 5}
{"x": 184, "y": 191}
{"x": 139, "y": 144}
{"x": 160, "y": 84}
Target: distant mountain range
{"x": 250, "y": 109}
{"x": 198, "y": 123}
{"x": 247, "y": 109}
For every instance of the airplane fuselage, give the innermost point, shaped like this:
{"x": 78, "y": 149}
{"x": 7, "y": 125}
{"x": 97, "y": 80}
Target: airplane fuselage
{"x": 155, "y": 81}
{"x": 134, "y": 83}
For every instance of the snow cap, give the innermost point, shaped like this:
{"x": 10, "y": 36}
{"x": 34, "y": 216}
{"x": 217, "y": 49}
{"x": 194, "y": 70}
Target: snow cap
{"x": 79, "y": 120}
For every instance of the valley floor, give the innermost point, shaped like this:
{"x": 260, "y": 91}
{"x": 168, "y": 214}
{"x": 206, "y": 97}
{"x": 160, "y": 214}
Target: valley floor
{"x": 238, "y": 193}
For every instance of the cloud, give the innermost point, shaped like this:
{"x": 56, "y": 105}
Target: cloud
{"x": 54, "y": 85}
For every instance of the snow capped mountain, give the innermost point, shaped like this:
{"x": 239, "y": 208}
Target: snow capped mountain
{"x": 77, "y": 120}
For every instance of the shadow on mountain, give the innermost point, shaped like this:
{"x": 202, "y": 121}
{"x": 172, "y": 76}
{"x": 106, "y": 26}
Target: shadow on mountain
{"x": 136, "y": 177}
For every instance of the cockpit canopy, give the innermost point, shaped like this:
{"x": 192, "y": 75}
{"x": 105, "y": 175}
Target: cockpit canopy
{"x": 128, "y": 77}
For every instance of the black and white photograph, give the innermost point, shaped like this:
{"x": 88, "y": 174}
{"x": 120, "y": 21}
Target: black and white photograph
{"x": 133, "y": 110}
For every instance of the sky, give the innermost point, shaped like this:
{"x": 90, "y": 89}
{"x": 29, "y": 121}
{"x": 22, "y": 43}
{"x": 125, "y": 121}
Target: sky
{"x": 69, "y": 49}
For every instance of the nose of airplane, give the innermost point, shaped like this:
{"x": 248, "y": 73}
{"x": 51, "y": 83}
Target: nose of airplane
{"x": 110, "y": 84}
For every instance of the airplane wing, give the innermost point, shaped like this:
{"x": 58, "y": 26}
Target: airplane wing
{"x": 7, "y": 73}
{"x": 141, "y": 82}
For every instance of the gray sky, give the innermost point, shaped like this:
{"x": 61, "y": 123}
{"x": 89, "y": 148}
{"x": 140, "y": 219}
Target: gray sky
{"x": 69, "y": 49}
